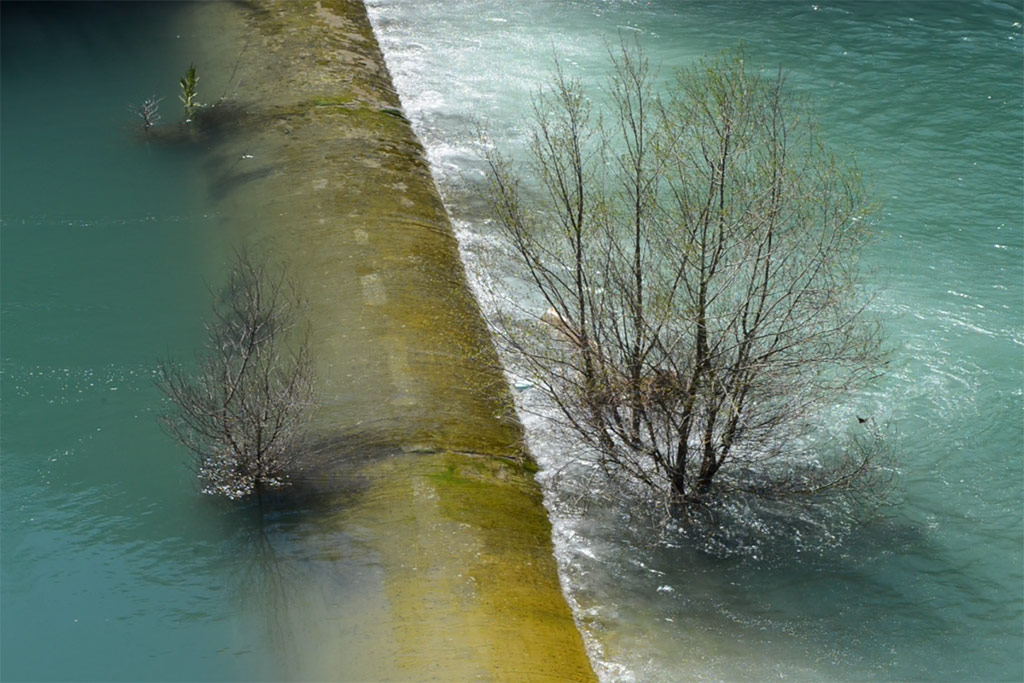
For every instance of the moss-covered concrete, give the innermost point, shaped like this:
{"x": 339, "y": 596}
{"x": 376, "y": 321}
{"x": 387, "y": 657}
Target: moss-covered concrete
{"x": 325, "y": 173}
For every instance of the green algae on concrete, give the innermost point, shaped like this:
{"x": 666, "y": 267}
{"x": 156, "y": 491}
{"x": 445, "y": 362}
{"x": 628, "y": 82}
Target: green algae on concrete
{"x": 326, "y": 175}
{"x": 471, "y": 582}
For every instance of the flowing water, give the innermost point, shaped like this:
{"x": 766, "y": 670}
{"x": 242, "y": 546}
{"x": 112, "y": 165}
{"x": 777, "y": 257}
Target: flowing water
{"x": 113, "y": 568}
{"x": 928, "y": 98}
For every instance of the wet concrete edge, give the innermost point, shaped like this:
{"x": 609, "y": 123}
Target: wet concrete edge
{"x": 327, "y": 175}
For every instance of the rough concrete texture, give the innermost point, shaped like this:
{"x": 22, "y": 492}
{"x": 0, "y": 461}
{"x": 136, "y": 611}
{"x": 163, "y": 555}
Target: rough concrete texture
{"x": 319, "y": 167}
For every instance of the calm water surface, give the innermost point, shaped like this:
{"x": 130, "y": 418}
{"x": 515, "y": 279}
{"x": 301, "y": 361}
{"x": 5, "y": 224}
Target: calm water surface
{"x": 928, "y": 97}
{"x": 113, "y": 567}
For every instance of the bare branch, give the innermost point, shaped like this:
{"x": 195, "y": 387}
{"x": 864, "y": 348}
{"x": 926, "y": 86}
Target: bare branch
{"x": 697, "y": 262}
{"x": 243, "y": 411}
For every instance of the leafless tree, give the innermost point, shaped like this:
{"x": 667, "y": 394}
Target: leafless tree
{"x": 148, "y": 111}
{"x": 694, "y": 264}
{"x": 243, "y": 410}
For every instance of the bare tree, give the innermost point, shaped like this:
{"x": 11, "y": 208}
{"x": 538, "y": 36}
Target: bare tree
{"x": 697, "y": 257}
{"x": 148, "y": 111}
{"x": 243, "y": 411}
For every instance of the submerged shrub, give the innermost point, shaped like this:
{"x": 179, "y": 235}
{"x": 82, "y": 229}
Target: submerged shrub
{"x": 243, "y": 411}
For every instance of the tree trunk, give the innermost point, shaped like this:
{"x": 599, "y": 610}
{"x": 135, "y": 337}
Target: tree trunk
{"x": 677, "y": 480}
{"x": 708, "y": 470}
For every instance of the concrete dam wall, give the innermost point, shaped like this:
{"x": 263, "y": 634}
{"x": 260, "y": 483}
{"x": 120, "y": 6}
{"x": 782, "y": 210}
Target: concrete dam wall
{"x": 324, "y": 173}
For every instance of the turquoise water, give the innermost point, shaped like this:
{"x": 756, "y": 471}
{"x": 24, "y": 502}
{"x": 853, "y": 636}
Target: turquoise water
{"x": 928, "y": 96}
{"x": 113, "y": 567}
